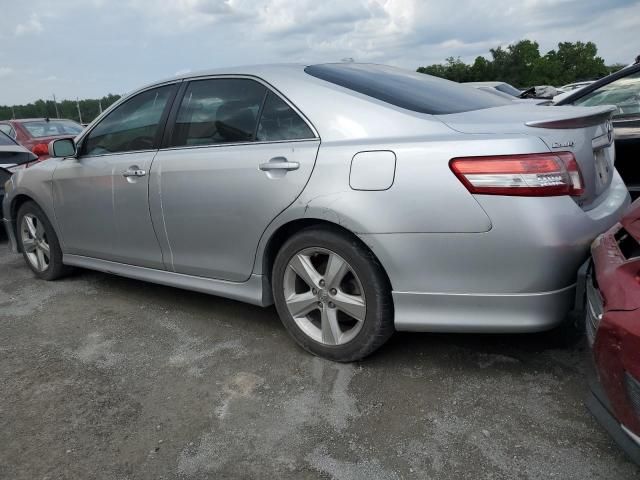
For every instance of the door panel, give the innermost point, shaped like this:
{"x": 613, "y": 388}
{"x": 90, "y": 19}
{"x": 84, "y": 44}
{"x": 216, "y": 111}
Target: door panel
{"x": 101, "y": 199}
{"x": 103, "y": 214}
{"x": 215, "y": 202}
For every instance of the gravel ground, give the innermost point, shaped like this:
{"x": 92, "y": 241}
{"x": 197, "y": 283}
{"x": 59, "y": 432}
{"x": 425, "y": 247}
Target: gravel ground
{"x": 104, "y": 377}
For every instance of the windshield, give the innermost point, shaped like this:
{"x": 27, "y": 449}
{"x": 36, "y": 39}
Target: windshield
{"x": 509, "y": 89}
{"x": 410, "y": 90}
{"x": 624, "y": 93}
{"x": 52, "y": 128}
{"x": 498, "y": 93}
{"x": 6, "y": 140}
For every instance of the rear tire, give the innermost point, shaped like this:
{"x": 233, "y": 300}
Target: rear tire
{"x": 332, "y": 294}
{"x": 39, "y": 243}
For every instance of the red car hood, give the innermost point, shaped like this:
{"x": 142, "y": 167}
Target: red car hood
{"x": 618, "y": 277}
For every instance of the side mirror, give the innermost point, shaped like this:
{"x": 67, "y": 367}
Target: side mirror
{"x": 62, "y": 147}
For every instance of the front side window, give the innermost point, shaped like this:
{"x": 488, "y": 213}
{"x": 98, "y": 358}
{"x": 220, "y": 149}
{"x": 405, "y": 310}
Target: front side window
{"x": 223, "y": 110}
{"x": 624, "y": 93}
{"x": 280, "y": 122}
{"x": 132, "y": 126}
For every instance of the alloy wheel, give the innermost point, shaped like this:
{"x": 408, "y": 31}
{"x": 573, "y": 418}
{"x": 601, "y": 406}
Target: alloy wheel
{"x": 324, "y": 296}
{"x": 34, "y": 242}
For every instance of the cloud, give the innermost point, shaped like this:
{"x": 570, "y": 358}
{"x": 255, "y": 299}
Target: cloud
{"x": 121, "y": 44}
{"x": 32, "y": 25}
{"x": 396, "y": 31}
{"x": 5, "y": 71}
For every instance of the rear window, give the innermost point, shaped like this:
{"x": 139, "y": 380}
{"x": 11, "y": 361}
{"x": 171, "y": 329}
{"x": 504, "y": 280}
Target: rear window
{"x": 52, "y": 128}
{"x": 410, "y": 90}
{"x": 509, "y": 89}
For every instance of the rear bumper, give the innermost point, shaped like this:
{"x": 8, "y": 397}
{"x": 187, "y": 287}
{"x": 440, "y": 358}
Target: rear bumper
{"x": 482, "y": 313}
{"x": 517, "y": 277}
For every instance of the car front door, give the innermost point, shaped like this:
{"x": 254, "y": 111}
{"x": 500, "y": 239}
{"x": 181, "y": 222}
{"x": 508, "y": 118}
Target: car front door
{"x": 237, "y": 155}
{"x": 101, "y": 197}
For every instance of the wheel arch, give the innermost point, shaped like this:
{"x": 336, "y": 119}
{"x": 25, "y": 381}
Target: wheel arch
{"x": 285, "y": 231}
{"x": 14, "y": 207}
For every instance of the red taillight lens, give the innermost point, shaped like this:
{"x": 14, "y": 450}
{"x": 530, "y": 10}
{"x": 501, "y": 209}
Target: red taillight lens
{"x": 40, "y": 149}
{"x": 534, "y": 175}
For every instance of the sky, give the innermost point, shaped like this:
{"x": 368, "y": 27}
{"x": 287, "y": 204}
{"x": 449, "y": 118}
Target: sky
{"x": 89, "y": 48}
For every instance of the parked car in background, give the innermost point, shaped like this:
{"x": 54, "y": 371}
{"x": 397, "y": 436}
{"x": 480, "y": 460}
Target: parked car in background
{"x": 621, "y": 89}
{"x": 574, "y": 86}
{"x": 12, "y": 156}
{"x": 610, "y": 289}
{"x": 506, "y": 96}
{"x": 360, "y": 199}
{"x": 36, "y": 133}
{"x": 500, "y": 86}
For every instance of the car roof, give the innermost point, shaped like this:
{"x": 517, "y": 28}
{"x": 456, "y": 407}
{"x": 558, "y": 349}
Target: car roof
{"x": 42, "y": 119}
{"x": 249, "y": 70}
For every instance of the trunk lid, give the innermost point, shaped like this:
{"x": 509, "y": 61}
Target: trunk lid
{"x": 11, "y": 155}
{"x": 584, "y": 131}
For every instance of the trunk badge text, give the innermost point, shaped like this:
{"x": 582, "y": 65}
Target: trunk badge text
{"x": 570, "y": 143}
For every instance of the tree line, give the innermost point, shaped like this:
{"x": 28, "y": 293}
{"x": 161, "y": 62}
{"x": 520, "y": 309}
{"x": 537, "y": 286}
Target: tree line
{"x": 89, "y": 109}
{"x": 522, "y": 65}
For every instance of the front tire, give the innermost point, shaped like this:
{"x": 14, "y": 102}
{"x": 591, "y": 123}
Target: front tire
{"x": 332, "y": 294}
{"x": 39, "y": 243}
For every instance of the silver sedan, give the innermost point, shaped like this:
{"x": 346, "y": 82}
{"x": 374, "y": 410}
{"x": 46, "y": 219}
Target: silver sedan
{"x": 360, "y": 199}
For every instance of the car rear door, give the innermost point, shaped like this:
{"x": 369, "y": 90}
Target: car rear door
{"x": 101, "y": 197}
{"x": 237, "y": 154}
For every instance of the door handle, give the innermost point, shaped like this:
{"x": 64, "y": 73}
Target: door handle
{"x": 134, "y": 173}
{"x": 279, "y": 163}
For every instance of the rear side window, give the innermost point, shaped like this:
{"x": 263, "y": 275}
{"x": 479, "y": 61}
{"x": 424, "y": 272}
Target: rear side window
{"x": 223, "y": 110}
{"x": 5, "y": 139}
{"x": 280, "y": 122}
{"x": 8, "y": 131}
{"x": 410, "y": 90}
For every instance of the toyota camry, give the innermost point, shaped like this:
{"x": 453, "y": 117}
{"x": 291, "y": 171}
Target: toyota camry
{"x": 360, "y": 199}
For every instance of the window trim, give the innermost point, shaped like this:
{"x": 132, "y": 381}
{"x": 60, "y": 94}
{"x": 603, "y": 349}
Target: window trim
{"x": 162, "y": 123}
{"x": 171, "y": 121}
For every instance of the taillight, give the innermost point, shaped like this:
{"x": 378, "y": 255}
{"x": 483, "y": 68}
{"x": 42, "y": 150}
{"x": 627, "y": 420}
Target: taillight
{"x": 40, "y": 149}
{"x": 533, "y": 175}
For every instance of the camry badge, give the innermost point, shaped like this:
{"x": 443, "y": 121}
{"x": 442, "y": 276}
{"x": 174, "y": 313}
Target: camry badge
{"x": 570, "y": 143}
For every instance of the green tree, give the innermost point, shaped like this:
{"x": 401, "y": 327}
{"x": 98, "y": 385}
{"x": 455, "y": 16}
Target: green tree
{"x": 90, "y": 109}
{"x": 522, "y": 65}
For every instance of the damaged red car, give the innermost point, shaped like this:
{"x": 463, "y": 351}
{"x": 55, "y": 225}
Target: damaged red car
{"x": 609, "y": 287}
